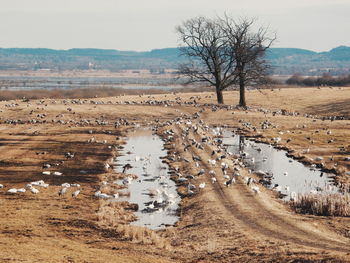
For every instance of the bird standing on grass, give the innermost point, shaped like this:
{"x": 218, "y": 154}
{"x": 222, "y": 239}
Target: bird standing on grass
{"x": 202, "y": 186}
{"x": 75, "y": 193}
{"x": 62, "y": 191}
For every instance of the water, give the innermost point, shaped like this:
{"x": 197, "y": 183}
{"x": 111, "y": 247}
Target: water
{"x": 36, "y": 82}
{"x": 143, "y": 151}
{"x": 289, "y": 174}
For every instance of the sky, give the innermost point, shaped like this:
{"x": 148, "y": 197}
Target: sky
{"x": 142, "y": 25}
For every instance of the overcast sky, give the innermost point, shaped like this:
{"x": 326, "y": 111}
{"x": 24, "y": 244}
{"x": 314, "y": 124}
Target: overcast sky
{"x": 318, "y": 25}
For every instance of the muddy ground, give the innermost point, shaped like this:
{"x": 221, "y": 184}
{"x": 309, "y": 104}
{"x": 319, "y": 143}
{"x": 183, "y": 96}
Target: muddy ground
{"x": 217, "y": 223}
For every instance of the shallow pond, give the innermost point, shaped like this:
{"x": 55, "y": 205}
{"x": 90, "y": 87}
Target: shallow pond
{"x": 290, "y": 175}
{"x": 153, "y": 190}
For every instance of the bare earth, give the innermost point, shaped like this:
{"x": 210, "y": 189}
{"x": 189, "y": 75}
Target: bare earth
{"x": 217, "y": 224}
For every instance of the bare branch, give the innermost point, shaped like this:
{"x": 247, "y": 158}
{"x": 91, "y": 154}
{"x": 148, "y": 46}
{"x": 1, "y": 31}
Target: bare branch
{"x": 224, "y": 52}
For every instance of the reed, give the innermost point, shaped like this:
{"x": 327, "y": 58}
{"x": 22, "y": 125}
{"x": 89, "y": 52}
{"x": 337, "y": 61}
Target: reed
{"x": 335, "y": 204}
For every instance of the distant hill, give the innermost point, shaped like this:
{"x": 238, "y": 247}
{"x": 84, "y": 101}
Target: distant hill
{"x": 286, "y": 61}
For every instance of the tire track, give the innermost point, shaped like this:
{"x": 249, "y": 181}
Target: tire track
{"x": 236, "y": 203}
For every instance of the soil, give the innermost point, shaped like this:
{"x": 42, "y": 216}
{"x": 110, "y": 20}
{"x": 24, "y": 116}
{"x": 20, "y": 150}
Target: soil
{"x": 217, "y": 223}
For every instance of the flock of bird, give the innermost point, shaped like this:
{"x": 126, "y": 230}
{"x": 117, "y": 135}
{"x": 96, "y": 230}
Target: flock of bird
{"x": 196, "y": 136}
{"x": 34, "y": 187}
{"x": 197, "y": 139}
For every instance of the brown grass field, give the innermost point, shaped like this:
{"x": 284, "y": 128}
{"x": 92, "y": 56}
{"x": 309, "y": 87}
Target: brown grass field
{"x": 217, "y": 224}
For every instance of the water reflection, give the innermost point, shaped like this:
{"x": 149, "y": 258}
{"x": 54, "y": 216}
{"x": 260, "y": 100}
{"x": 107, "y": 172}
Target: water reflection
{"x": 285, "y": 174}
{"x": 153, "y": 190}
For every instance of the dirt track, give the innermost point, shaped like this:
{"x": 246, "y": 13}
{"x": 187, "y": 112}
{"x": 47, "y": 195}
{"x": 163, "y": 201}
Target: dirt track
{"x": 263, "y": 216}
{"x": 218, "y": 223}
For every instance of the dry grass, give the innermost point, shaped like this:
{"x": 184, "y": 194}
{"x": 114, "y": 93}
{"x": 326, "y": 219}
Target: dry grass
{"x": 323, "y": 204}
{"x": 74, "y": 93}
{"x": 83, "y": 93}
{"x": 142, "y": 235}
{"x": 114, "y": 213}
{"x": 117, "y": 215}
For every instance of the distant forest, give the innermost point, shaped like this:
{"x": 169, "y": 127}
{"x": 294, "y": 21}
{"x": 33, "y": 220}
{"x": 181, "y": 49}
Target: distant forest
{"x": 285, "y": 61}
{"x": 325, "y": 80}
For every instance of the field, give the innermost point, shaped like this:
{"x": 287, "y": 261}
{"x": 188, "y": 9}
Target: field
{"x": 78, "y": 137}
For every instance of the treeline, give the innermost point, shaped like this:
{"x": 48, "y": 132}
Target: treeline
{"x": 285, "y": 61}
{"x": 324, "y": 80}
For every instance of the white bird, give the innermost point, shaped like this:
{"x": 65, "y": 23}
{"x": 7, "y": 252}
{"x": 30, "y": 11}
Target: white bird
{"x": 46, "y": 173}
{"x": 62, "y": 191}
{"x": 190, "y": 192}
{"x": 293, "y": 196}
{"x": 127, "y": 180}
{"x": 213, "y": 179}
{"x": 151, "y": 205}
{"x": 65, "y": 185}
{"x": 75, "y": 193}
{"x": 40, "y": 183}
{"x": 237, "y": 174}
{"x": 224, "y": 165}
{"x": 1, "y": 186}
{"x": 21, "y": 190}
{"x": 98, "y": 194}
{"x": 202, "y": 185}
{"x": 226, "y": 177}
{"x": 307, "y": 150}
{"x": 230, "y": 182}
{"x": 212, "y": 162}
{"x": 12, "y": 190}
{"x": 256, "y": 189}
{"x": 104, "y": 196}
{"x": 34, "y": 190}
{"x": 57, "y": 173}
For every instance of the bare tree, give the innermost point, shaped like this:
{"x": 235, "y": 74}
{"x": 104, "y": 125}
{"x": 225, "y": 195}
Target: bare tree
{"x": 224, "y": 53}
{"x": 248, "y": 49}
{"x": 205, "y": 47}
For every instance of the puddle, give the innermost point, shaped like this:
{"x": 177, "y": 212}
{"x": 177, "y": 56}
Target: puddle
{"x": 289, "y": 174}
{"x": 143, "y": 151}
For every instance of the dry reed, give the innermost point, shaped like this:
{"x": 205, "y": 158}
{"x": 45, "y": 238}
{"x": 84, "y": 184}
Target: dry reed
{"x": 336, "y": 204}
{"x": 114, "y": 215}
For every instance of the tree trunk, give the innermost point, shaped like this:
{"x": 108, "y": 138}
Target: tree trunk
{"x": 242, "y": 102}
{"x": 219, "y": 96}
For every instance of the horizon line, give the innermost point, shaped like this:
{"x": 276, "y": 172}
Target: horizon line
{"x": 140, "y": 51}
